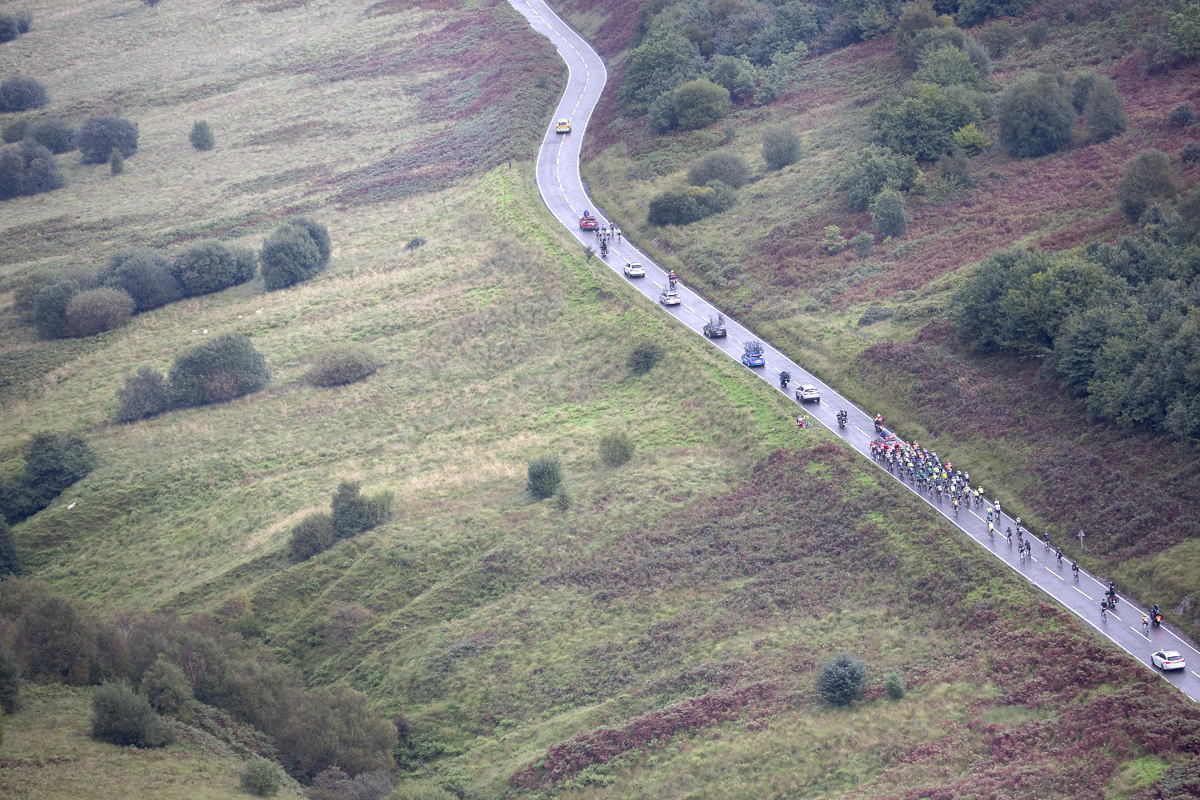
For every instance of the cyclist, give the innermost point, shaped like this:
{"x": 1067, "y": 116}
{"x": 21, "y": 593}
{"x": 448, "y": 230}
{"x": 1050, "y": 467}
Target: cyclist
{"x": 955, "y": 503}
{"x": 991, "y": 531}
{"x": 1103, "y": 612}
{"x": 1046, "y": 539}
{"x": 1145, "y": 624}
{"x": 1008, "y": 535}
{"x": 1075, "y": 569}
{"x": 1058, "y": 554}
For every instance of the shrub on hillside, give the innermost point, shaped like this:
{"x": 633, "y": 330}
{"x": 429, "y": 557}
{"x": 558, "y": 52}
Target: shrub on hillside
{"x": 10, "y": 559}
{"x": 889, "y": 213}
{"x": 862, "y": 244}
{"x": 116, "y": 162}
{"x": 719, "y": 165}
{"x": 1105, "y": 110}
{"x": 1182, "y": 115}
{"x": 999, "y": 38}
{"x": 922, "y": 122}
{"x": 121, "y": 716}
{"x": 201, "y": 136}
{"x": 1081, "y": 89}
{"x": 971, "y": 140}
{"x": 616, "y": 448}
{"x": 1147, "y": 177}
{"x": 211, "y": 266}
{"x": 346, "y": 362}
{"x": 15, "y": 131}
{"x": 28, "y": 169}
{"x": 544, "y": 475}
{"x": 334, "y": 784}
{"x": 351, "y": 513}
{"x": 914, "y": 18}
{"x": 98, "y": 310}
{"x": 1035, "y": 116}
{"x": 8, "y": 28}
{"x": 700, "y": 103}
{"x": 947, "y": 65}
{"x": 52, "y": 133}
{"x": 10, "y": 680}
{"x": 956, "y": 167}
{"x": 20, "y": 93}
{"x": 312, "y": 535}
{"x": 734, "y": 74}
{"x": 50, "y": 308}
{"x": 52, "y": 463}
{"x": 217, "y": 371}
{"x": 690, "y": 204}
{"x": 894, "y": 684}
{"x": 325, "y": 728}
{"x": 145, "y": 394}
{"x": 866, "y": 172}
{"x": 167, "y": 688}
{"x": 841, "y": 680}
{"x": 260, "y": 777}
{"x": 24, "y": 21}
{"x": 780, "y": 147}
{"x": 644, "y": 357}
{"x": 1190, "y": 153}
{"x": 98, "y": 136}
{"x": 295, "y": 251}
{"x": 875, "y": 313}
{"x": 145, "y": 274}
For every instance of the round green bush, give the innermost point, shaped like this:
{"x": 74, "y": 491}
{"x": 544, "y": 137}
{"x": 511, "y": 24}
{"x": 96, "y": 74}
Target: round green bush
{"x": 122, "y": 717}
{"x": 98, "y": 136}
{"x": 40, "y": 171}
{"x": 719, "y": 165}
{"x": 24, "y": 21}
{"x": 1035, "y": 116}
{"x": 690, "y": 204}
{"x": 144, "y": 273}
{"x": 343, "y": 363}
{"x": 260, "y": 777}
{"x": 15, "y": 131}
{"x": 55, "y": 135}
{"x": 544, "y": 476}
{"x": 1081, "y": 89}
{"x": 894, "y": 684}
{"x": 20, "y": 93}
{"x": 145, "y": 394}
{"x": 211, "y": 266}
{"x": 1146, "y": 178}
{"x": 167, "y": 689}
{"x": 201, "y": 136}
{"x": 1105, "y": 110}
{"x": 644, "y": 357}
{"x": 700, "y": 103}
{"x": 312, "y": 535}
{"x": 875, "y": 313}
{"x": 98, "y": 310}
{"x": 616, "y": 448}
{"x": 319, "y": 234}
{"x": 289, "y": 256}
{"x": 9, "y": 29}
{"x": 842, "y": 679}
{"x": 1182, "y": 115}
{"x": 217, "y": 370}
{"x": 780, "y": 147}
{"x": 116, "y": 161}
{"x": 1190, "y": 153}
{"x": 50, "y": 308}
{"x": 889, "y": 213}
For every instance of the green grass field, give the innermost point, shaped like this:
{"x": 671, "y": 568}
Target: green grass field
{"x": 680, "y": 607}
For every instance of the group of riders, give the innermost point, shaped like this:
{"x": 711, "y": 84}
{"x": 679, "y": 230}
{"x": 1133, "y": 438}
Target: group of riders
{"x": 606, "y": 235}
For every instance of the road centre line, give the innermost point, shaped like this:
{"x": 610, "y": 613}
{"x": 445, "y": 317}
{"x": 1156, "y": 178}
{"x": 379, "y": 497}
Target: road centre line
{"x": 1055, "y": 574}
{"x": 1076, "y": 588}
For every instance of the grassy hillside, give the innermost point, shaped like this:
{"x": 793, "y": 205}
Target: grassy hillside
{"x": 1006, "y": 420}
{"x": 654, "y": 632}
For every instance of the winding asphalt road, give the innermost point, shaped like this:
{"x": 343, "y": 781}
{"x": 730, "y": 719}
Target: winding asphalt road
{"x": 562, "y": 190}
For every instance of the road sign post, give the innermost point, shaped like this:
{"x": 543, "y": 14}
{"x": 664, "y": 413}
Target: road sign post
{"x": 1081, "y": 534}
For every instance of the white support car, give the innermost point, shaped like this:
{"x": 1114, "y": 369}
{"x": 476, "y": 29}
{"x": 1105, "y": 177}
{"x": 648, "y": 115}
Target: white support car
{"x": 670, "y": 297}
{"x": 808, "y": 393}
{"x": 1168, "y": 659}
{"x": 634, "y": 269}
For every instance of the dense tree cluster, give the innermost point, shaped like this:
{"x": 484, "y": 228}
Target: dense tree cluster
{"x": 53, "y": 462}
{"x": 1118, "y": 322}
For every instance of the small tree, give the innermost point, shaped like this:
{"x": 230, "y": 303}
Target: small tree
{"x": 894, "y": 684}
{"x": 145, "y": 274}
{"x": 1035, "y": 116}
{"x": 862, "y": 244}
{"x": 218, "y": 370}
{"x": 24, "y": 21}
{"x": 1105, "y": 110}
{"x": 20, "y": 93}
{"x": 99, "y": 135}
{"x": 1190, "y": 153}
{"x": 834, "y": 242}
{"x": 780, "y": 147}
{"x": 1081, "y": 89}
{"x": 289, "y": 256}
{"x": 122, "y": 717}
{"x": 719, "y": 165}
{"x": 700, "y": 103}
{"x": 260, "y": 777}
{"x": 167, "y": 688}
{"x": 50, "y": 308}
{"x": 98, "y": 310}
{"x": 8, "y": 28}
{"x": 544, "y": 475}
{"x": 116, "y": 161}
{"x": 889, "y": 213}
{"x": 342, "y": 363}
{"x": 616, "y": 448}
{"x": 144, "y": 394}
{"x": 644, "y": 357}
{"x": 312, "y": 535}
{"x": 1146, "y": 178}
{"x": 842, "y": 679}
{"x": 971, "y": 140}
{"x": 201, "y": 136}
{"x": 1038, "y": 33}
{"x": 998, "y": 38}
{"x": 55, "y": 135}
{"x": 16, "y": 130}
{"x": 1182, "y": 115}
{"x": 211, "y": 266}
{"x": 350, "y": 512}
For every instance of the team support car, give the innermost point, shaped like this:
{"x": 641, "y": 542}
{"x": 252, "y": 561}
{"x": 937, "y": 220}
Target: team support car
{"x": 715, "y": 328}
{"x": 670, "y": 297}
{"x": 1168, "y": 659}
{"x": 562, "y": 126}
{"x": 753, "y": 355}
{"x": 808, "y": 393}
{"x": 634, "y": 269}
